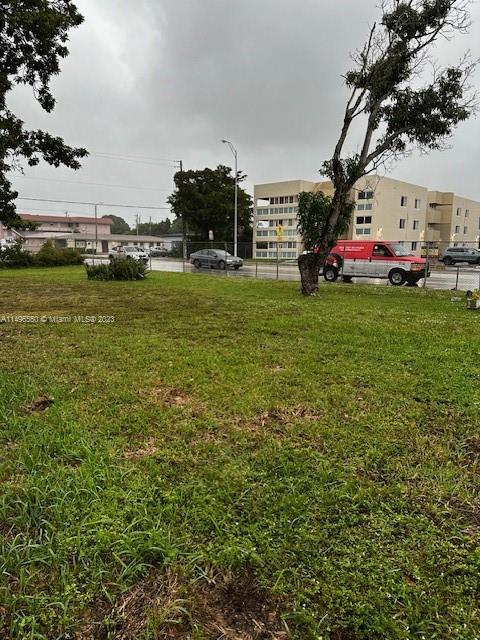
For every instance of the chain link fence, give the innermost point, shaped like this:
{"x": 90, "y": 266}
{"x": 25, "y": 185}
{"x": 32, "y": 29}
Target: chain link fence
{"x": 452, "y": 265}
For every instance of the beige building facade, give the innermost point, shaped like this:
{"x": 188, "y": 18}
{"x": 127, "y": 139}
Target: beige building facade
{"x": 385, "y": 209}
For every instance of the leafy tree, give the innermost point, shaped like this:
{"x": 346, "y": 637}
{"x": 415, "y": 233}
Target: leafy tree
{"x": 119, "y": 224}
{"x": 153, "y": 228}
{"x": 405, "y": 101}
{"x": 177, "y": 226}
{"x": 204, "y": 200}
{"x": 33, "y": 36}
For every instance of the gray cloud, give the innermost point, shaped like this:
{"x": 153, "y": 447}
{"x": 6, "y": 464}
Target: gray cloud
{"x": 168, "y": 79}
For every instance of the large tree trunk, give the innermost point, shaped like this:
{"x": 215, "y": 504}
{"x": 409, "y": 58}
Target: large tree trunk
{"x": 309, "y": 265}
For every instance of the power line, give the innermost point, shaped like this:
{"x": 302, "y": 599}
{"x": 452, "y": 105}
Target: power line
{"x": 50, "y": 210}
{"x": 93, "y": 204}
{"x": 94, "y": 184}
{"x": 135, "y": 159}
{"x": 123, "y": 155}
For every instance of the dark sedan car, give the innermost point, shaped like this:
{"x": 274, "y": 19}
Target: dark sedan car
{"x": 215, "y": 259}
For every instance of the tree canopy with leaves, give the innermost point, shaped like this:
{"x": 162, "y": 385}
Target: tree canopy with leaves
{"x": 406, "y": 102}
{"x": 33, "y": 37}
{"x": 153, "y": 228}
{"x": 204, "y": 200}
{"x": 119, "y": 225}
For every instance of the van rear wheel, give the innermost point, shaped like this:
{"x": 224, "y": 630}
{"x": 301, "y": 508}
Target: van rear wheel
{"x": 330, "y": 273}
{"x": 397, "y": 277}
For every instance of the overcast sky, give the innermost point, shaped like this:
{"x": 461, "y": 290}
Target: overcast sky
{"x": 164, "y": 80}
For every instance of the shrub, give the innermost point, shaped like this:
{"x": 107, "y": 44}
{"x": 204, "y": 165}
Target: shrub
{"x": 52, "y": 256}
{"x": 118, "y": 269}
{"x": 15, "y": 256}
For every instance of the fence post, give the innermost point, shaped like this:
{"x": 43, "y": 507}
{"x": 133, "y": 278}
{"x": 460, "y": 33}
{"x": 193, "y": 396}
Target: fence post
{"x": 226, "y": 266}
{"x": 427, "y": 264}
{"x": 278, "y": 257}
{"x": 184, "y": 253}
{"x": 456, "y": 282}
{"x": 256, "y": 268}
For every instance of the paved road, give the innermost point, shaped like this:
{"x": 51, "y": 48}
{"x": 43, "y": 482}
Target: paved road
{"x": 468, "y": 277}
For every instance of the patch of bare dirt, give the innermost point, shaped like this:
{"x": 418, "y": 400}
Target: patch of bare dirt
{"x": 287, "y": 416}
{"x": 228, "y": 607}
{"x": 39, "y": 404}
{"x": 469, "y": 511}
{"x": 238, "y": 608}
{"x": 146, "y": 450}
{"x": 343, "y": 634}
{"x": 174, "y": 397}
{"x": 471, "y": 446}
{"x": 277, "y": 368}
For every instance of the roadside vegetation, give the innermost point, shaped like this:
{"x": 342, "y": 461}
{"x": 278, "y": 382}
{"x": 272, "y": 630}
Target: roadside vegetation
{"x": 49, "y": 255}
{"x": 195, "y": 466}
{"x": 117, "y": 269}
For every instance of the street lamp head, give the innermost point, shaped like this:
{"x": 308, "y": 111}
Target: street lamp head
{"x": 225, "y": 141}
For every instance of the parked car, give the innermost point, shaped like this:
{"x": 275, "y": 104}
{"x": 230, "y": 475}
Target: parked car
{"x": 131, "y": 253}
{"x": 215, "y": 258}
{"x": 452, "y": 255}
{"x": 7, "y": 243}
{"x": 369, "y": 259}
{"x": 159, "y": 252}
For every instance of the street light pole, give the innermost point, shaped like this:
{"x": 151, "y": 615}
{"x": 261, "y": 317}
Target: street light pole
{"x": 235, "y": 220}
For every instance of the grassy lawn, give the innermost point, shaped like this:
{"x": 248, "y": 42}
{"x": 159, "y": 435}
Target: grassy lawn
{"x": 229, "y": 460}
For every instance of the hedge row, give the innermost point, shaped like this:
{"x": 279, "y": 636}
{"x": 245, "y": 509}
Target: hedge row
{"x": 117, "y": 269}
{"x": 48, "y": 256}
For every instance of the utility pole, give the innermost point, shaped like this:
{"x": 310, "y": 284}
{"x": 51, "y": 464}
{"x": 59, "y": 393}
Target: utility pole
{"x": 96, "y": 233}
{"x": 184, "y": 225}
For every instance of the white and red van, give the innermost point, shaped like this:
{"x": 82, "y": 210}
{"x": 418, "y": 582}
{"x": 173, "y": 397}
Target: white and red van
{"x": 368, "y": 259}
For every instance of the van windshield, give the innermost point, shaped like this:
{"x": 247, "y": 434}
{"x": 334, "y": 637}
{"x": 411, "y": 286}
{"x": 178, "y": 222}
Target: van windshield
{"x": 399, "y": 250}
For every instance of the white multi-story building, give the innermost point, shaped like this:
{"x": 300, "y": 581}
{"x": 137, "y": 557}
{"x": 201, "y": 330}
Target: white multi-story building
{"x": 385, "y": 209}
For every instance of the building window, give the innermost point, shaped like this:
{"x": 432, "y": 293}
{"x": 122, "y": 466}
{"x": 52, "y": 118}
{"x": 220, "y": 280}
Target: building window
{"x": 418, "y": 202}
{"x": 416, "y": 224}
{"x": 414, "y": 246}
{"x": 363, "y": 231}
{"x": 280, "y": 200}
{"x": 360, "y": 207}
{"x": 262, "y": 245}
{"x": 368, "y": 206}
{"x": 403, "y": 223}
{"x": 459, "y": 211}
{"x": 365, "y": 195}
{"x": 465, "y": 230}
{"x": 457, "y": 229}
{"x": 364, "y": 219}
{"x": 467, "y": 213}
{"x": 403, "y": 203}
